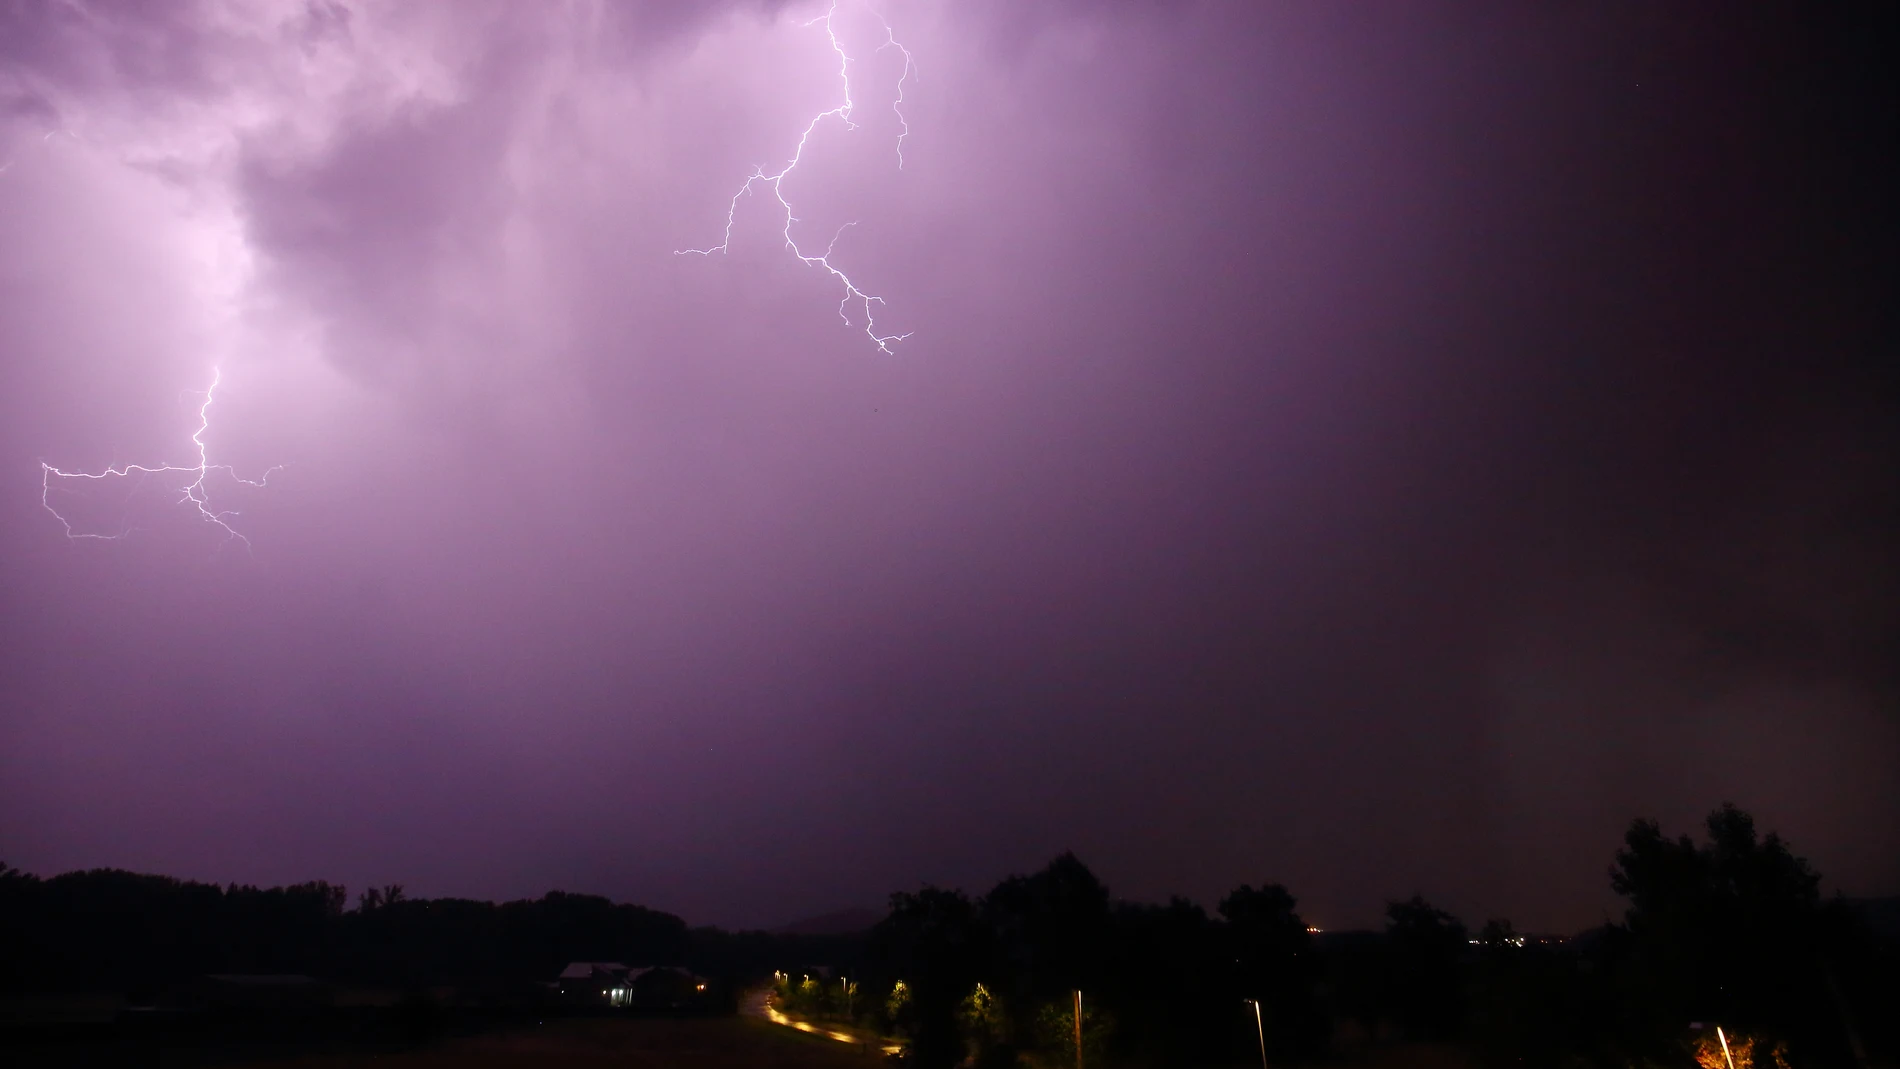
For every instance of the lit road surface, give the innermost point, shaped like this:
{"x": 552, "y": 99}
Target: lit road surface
{"x": 756, "y": 1004}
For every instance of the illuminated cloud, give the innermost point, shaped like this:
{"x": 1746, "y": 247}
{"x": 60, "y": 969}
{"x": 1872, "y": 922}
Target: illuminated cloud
{"x": 1335, "y": 420}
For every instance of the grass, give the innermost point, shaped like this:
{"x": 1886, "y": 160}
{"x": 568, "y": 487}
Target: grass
{"x": 711, "y": 1043}
{"x": 715, "y": 1043}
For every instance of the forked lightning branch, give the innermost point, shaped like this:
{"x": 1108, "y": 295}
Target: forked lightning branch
{"x": 854, "y": 298}
{"x": 57, "y": 483}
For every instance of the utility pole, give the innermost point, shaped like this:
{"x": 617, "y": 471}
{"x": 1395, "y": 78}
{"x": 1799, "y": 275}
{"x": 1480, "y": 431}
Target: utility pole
{"x": 1078, "y": 1029}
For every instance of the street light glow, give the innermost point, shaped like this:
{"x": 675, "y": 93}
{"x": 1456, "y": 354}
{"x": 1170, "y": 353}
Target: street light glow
{"x": 1260, "y": 1028}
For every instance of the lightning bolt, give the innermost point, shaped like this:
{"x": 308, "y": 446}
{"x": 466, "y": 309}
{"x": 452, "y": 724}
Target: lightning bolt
{"x": 194, "y": 492}
{"x": 776, "y": 182}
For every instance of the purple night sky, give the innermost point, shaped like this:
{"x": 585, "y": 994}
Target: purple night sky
{"x": 1378, "y": 450}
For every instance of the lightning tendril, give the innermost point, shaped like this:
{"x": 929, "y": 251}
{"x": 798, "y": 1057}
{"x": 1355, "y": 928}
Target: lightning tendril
{"x": 776, "y": 182}
{"x": 193, "y": 493}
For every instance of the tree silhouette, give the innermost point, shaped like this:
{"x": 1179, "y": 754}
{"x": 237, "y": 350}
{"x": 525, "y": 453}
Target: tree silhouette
{"x": 934, "y": 945}
{"x": 1729, "y": 930}
{"x": 1050, "y": 927}
{"x": 1274, "y": 962}
{"x": 1424, "y": 945}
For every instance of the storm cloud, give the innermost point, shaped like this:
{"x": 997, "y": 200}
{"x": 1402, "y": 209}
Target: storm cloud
{"x": 1378, "y": 451}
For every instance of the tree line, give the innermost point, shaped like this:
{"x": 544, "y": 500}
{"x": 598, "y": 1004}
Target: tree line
{"x": 1729, "y": 931}
{"x": 107, "y": 930}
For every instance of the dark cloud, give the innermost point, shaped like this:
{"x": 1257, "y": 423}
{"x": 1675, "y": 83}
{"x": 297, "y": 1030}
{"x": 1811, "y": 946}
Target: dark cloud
{"x": 121, "y": 46}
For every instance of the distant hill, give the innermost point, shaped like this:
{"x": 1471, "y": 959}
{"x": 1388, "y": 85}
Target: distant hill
{"x": 843, "y": 922}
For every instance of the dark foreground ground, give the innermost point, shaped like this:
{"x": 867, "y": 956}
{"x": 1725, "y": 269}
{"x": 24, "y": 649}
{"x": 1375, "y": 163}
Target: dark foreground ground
{"x": 658, "y": 1043}
{"x": 712, "y": 1043}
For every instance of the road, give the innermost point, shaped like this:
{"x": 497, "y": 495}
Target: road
{"x": 756, "y": 1003}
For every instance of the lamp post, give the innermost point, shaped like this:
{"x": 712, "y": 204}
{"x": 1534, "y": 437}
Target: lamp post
{"x": 1261, "y": 1031}
{"x": 1078, "y": 1030}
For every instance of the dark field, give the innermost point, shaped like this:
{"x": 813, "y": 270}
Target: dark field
{"x": 572, "y": 1044}
{"x": 715, "y": 1044}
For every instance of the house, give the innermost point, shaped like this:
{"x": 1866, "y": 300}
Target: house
{"x": 609, "y": 983}
{"x": 594, "y": 983}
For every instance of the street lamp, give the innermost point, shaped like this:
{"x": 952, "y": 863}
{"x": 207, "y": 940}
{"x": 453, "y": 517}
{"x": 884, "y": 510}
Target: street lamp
{"x": 1078, "y": 1029}
{"x": 1261, "y": 1030}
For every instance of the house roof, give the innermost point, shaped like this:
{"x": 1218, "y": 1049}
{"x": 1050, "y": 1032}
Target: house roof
{"x": 590, "y": 970}
{"x": 585, "y": 970}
